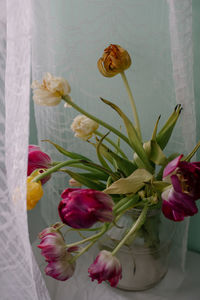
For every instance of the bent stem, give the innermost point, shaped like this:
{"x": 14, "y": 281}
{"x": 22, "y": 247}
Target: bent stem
{"x": 136, "y": 226}
{"x": 91, "y": 238}
{"x": 104, "y": 124}
{"x": 133, "y": 106}
{"x": 112, "y": 143}
{"x": 55, "y": 168}
{"x": 83, "y": 251}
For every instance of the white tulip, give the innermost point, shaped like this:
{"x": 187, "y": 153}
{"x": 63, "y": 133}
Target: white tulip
{"x": 51, "y": 90}
{"x": 84, "y": 127}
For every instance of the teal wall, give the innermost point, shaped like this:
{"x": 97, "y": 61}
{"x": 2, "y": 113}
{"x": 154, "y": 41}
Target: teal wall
{"x": 194, "y": 236}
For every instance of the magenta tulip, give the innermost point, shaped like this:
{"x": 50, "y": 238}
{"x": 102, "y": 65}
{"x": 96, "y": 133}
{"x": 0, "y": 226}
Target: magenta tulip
{"x": 81, "y": 208}
{"x": 38, "y": 160}
{"x": 179, "y": 200}
{"x": 106, "y": 267}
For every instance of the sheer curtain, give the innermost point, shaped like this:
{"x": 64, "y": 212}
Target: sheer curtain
{"x": 19, "y": 274}
{"x": 67, "y": 39}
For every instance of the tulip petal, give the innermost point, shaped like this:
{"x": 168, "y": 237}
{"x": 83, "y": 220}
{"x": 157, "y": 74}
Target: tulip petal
{"x": 171, "y": 167}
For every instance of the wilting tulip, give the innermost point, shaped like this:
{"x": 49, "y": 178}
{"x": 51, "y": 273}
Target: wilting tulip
{"x": 38, "y": 160}
{"x": 52, "y": 246}
{"x": 114, "y": 60}
{"x": 106, "y": 267}
{"x": 179, "y": 200}
{"x": 61, "y": 269}
{"x": 81, "y": 208}
{"x": 34, "y": 192}
{"x": 51, "y": 90}
{"x": 84, "y": 127}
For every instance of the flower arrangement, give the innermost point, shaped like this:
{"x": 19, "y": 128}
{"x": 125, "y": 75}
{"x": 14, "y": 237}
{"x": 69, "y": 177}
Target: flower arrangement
{"x": 108, "y": 189}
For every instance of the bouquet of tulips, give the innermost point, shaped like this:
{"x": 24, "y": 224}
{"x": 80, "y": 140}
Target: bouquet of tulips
{"x": 99, "y": 195}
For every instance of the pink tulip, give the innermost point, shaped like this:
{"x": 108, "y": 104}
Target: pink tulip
{"x": 61, "y": 269}
{"x": 106, "y": 267}
{"x": 53, "y": 246}
{"x": 37, "y": 160}
{"x": 179, "y": 200}
{"x": 81, "y": 208}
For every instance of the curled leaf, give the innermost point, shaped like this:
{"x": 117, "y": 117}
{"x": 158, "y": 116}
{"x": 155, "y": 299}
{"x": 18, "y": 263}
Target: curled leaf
{"x": 131, "y": 184}
{"x": 132, "y": 135}
{"x": 164, "y": 135}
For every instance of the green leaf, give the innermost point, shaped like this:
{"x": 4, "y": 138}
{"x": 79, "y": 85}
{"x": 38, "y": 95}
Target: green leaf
{"x": 115, "y": 176}
{"x": 99, "y": 153}
{"x": 132, "y": 135}
{"x": 72, "y": 155}
{"x": 156, "y": 155}
{"x": 160, "y": 185}
{"x": 131, "y": 184}
{"x": 164, "y": 135}
{"x": 192, "y": 153}
{"x": 126, "y": 166}
{"x": 93, "y": 184}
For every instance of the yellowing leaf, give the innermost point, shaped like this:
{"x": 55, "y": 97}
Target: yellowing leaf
{"x": 131, "y": 184}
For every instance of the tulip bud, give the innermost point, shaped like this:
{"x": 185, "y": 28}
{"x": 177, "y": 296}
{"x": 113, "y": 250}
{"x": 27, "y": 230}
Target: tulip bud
{"x": 34, "y": 192}
{"x": 106, "y": 267}
{"x": 114, "y": 60}
{"x": 51, "y": 90}
{"x": 38, "y": 160}
{"x": 74, "y": 183}
{"x": 84, "y": 127}
{"x": 81, "y": 208}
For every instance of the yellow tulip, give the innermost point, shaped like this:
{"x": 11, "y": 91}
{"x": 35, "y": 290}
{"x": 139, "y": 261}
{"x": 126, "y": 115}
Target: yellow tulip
{"x": 34, "y": 192}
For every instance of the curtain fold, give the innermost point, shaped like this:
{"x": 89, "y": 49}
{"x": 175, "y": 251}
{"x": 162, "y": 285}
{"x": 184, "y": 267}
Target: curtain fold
{"x": 19, "y": 274}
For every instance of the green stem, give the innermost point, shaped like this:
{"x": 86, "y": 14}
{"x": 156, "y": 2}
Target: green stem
{"x": 136, "y": 226}
{"x": 83, "y": 251}
{"x": 121, "y": 202}
{"x": 104, "y": 124}
{"x": 191, "y": 154}
{"x": 133, "y": 106}
{"x": 79, "y": 166}
{"x": 55, "y": 168}
{"x": 112, "y": 143}
{"x": 91, "y": 238}
{"x": 129, "y": 204}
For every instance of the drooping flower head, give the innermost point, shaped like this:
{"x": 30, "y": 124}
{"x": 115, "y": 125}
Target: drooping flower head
{"x": 106, "y": 267}
{"x": 81, "y": 208}
{"x": 38, "y": 159}
{"x": 114, "y": 60}
{"x": 179, "y": 200}
{"x": 84, "y": 127}
{"x": 51, "y": 90}
{"x": 61, "y": 269}
{"x": 34, "y": 192}
{"x": 53, "y": 246}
